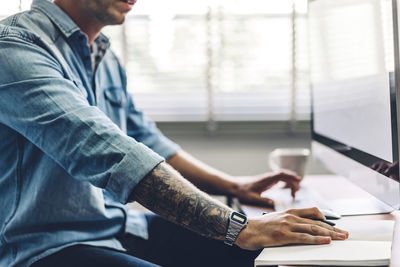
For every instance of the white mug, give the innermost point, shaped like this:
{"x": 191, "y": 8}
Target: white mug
{"x": 293, "y": 159}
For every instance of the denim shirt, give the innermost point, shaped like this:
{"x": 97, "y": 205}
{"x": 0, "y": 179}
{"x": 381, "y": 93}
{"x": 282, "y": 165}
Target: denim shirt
{"x": 73, "y": 145}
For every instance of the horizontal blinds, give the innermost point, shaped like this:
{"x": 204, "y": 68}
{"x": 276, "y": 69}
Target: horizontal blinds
{"x": 244, "y": 54}
{"x": 303, "y": 94}
{"x": 232, "y": 60}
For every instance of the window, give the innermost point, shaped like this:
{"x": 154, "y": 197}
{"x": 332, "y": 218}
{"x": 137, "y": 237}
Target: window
{"x": 231, "y": 60}
{"x": 220, "y": 60}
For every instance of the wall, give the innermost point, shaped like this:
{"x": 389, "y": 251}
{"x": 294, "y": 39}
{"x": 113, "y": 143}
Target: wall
{"x": 240, "y": 148}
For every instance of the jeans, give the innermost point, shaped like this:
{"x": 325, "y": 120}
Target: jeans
{"x": 168, "y": 245}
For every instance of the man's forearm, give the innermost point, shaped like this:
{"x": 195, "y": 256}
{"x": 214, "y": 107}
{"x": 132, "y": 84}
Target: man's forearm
{"x": 167, "y": 193}
{"x": 203, "y": 176}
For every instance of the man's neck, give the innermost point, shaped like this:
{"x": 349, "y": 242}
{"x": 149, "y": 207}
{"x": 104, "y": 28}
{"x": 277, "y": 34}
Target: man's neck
{"x": 87, "y": 24}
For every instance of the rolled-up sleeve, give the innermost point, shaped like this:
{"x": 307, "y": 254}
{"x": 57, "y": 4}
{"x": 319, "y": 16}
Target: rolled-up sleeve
{"x": 51, "y": 112}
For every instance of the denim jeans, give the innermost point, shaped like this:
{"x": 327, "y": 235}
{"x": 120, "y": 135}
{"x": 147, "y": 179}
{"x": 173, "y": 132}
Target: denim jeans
{"x": 168, "y": 245}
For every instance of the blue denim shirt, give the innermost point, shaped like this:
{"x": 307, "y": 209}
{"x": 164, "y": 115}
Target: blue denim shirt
{"x": 73, "y": 145}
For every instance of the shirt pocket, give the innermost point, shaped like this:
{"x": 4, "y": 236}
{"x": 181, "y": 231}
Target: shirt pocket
{"x": 115, "y": 103}
{"x": 115, "y": 96}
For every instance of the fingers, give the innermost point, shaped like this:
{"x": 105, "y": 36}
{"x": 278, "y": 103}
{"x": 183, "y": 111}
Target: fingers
{"x": 305, "y": 216}
{"x": 265, "y": 201}
{"x": 323, "y": 225}
{"x": 282, "y": 228}
{"x": 288, "y": 177}
{"x": 267, "y": 181}
{"x": 293, "y": 191}
{"x": 291, "y": 179}
{"x": 303, "y": 238}
{"x": 254, "y": 198}
{"x": 262, "y": 201}
{"x": 379, "y": 166}
{"x": 307, "y": 213}
{"x": 317, "y": 230}
{"x": 315, "y": 234}
{"x": 393, "y": 168}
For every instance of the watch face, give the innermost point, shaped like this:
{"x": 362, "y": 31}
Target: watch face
{"x": 237, "y": 217}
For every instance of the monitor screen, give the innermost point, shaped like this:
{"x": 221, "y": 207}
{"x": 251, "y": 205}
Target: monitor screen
{"x": 352, "y": 74}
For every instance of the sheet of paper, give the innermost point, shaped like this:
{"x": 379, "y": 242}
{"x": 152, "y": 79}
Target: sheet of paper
{"x": 369, "y": 244}
{"x": 340, "y": 253}
{"x": 372, "y": 230}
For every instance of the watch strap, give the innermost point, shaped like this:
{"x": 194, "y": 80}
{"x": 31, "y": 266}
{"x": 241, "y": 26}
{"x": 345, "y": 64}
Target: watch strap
{"x": 237, "y": 222}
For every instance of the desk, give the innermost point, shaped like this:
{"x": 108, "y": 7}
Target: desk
{"x": 334, "y": 189}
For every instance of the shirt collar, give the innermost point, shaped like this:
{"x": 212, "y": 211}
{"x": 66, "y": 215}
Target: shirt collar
{"x": 66, "y": 25}
{"x": 57, "y": 16}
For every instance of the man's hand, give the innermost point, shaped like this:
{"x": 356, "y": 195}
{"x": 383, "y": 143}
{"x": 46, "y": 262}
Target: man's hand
{"x": 247, "y": 189}
{"x": 388, "y": 169}
{"x": 250, "y": 189}
{"x": 289, "y": 227}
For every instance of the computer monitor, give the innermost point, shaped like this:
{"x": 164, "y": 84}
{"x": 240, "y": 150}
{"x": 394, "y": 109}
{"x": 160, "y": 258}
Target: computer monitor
{"x": 354, "y": 73}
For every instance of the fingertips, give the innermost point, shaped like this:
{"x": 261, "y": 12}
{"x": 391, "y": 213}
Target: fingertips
{"x": 265, "y": 202}
{"x": 324, "y": 229}
{"x": 341, "y": 231}
{"x": 335, "y": 233}
{"x": 339, "y": 236}
{"x": 320, "y": 240}
{"x": 323, "y": 240}
{"x": 270, "y": 202}
{"x": 316, "y": 230}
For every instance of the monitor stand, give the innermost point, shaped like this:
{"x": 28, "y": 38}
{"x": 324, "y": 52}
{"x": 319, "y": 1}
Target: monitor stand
{"x": 345, "y": 197}
{"x": 360, "y": 206}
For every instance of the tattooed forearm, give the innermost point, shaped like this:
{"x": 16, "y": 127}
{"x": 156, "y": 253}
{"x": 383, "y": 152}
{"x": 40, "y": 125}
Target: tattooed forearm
{"x": 168, "y": 194}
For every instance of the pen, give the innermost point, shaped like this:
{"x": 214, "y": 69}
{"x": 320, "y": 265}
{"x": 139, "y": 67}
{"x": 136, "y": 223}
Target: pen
{"x": 316, "y": 219}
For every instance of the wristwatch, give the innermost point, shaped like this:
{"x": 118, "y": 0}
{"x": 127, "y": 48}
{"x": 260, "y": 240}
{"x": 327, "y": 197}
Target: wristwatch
{"x": 237, "y": 222}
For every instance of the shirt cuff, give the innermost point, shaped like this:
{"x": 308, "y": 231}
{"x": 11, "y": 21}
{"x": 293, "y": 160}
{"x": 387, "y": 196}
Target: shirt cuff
{"x": 131, "y": 170}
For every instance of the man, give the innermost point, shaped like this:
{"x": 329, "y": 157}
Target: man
{"x": 74, "y": 147}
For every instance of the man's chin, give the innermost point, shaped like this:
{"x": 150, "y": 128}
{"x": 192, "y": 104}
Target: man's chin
{"x": 114, "y": 18}
{"x": 120, "y": 21}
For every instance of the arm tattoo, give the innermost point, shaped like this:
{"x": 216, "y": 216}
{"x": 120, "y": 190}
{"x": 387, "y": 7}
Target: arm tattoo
{"x": 168, "y": 194}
